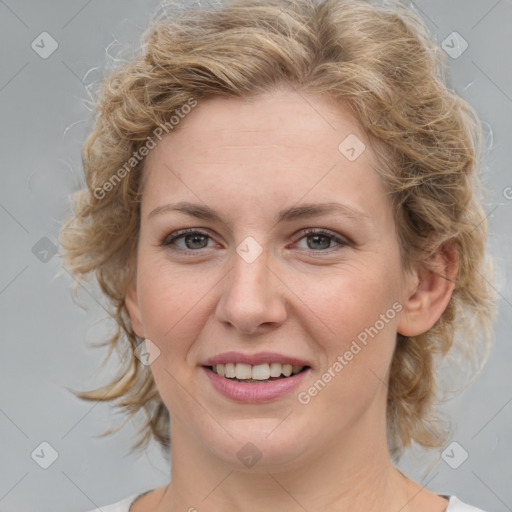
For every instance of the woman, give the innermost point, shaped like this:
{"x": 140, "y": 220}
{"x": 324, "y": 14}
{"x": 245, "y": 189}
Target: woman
{"x": 282, "y": 207}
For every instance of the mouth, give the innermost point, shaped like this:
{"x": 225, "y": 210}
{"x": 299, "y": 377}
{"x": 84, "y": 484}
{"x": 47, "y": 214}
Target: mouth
{"x": 256, "y": 374}
{"x": 258, "y": 383}
{"x": 255, "y": 378}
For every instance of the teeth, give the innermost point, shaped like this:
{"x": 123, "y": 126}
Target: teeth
{"x": 275, "y": 369}
{"x": 261, "y": 372}
{"x": 230, "y": 370}
{"x": 242, "y": 371}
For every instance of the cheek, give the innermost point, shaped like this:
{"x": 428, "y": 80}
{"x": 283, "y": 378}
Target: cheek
{"x": 171, "y": 303}
{"x": 348, "y": 301}
{"x": 163, "y": 286}
{"x": 356, "y": 358}
{"x": 174, "y": 308}
{"x": 359, "y": 312}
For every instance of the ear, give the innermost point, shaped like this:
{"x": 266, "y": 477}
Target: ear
{"x": 133, "y": 307}
{"x": 430, "y": 289}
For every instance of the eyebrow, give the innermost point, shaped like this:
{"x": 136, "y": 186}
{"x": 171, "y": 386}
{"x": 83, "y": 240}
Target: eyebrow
{"x": 302, "y": 211}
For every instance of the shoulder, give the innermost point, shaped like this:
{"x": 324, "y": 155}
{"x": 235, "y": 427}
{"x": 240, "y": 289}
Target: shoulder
{"x": 120, "y": 506}
{"x": 456, "y": 505}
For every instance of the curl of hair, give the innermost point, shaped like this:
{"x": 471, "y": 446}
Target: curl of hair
{"x": 381, "y": 63}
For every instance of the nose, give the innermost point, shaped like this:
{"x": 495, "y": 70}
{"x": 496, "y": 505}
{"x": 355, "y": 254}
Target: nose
{"x": 252, "y": 299}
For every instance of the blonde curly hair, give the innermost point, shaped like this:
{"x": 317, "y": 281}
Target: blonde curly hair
{"x": 378, "y": 60}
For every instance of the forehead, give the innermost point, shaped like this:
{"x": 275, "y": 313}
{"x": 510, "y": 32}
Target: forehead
{"x": 265, "y": 152}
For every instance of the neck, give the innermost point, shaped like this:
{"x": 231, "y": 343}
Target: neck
{"x": 357, "y": 473}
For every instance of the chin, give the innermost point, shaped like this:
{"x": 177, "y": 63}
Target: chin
{"x": 259, "y": 445}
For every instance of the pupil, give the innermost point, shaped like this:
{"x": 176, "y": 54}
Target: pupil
{"x": 195, "y": 239}
{"x": 316, "y": 238}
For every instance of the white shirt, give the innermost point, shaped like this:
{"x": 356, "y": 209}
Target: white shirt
{"x": 454, "y": 505}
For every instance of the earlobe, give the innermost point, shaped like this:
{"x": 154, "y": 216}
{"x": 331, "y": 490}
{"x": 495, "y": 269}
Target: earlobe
{"x": 132, "y": 305}
{"x": 434, "y": 282}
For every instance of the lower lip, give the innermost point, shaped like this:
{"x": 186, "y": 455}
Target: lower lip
{"x": 254, "y": 392}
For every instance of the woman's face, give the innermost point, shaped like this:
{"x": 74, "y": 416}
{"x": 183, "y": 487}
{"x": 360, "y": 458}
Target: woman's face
{"x": 260, "y": 275}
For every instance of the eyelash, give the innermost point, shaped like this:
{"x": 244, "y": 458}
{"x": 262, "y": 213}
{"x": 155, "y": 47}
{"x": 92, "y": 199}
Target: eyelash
{"x": 342, "y": 242}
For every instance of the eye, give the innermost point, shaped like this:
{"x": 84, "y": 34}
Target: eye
{"x": 317, "y": 240}
{"x": 320, "y": 239}
{"x": 192, "y": 239}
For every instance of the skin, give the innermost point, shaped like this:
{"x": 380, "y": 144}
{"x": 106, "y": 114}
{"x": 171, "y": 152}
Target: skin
{"x": 303, "y": 296}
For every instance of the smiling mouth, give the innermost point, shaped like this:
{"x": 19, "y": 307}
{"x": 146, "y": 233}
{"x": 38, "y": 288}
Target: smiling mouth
{"x": 256, "y": 374}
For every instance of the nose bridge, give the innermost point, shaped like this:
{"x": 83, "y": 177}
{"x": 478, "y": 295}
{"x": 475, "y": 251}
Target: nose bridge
{"x": 251, "y": 294}
{"x": 250, "y": 269}
{"x": 249, "y": 279}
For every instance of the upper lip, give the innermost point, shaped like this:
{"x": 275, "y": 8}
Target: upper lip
{"x": 254, "y": 359}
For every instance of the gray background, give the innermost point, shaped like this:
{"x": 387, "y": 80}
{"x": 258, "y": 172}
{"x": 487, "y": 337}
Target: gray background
{"x": 44, "y": 334}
